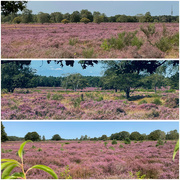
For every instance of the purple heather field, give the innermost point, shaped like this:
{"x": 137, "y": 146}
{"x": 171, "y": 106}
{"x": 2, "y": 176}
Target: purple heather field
{"x": 79, "y": 40}
{"x": 94, "y": 160}
{"x": 88, "y": 104}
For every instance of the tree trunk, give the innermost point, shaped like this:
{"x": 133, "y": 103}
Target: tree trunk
{"x": 127, "y": 92}
{"x": 115, "y": 90}
{"x": 155, "y": 89}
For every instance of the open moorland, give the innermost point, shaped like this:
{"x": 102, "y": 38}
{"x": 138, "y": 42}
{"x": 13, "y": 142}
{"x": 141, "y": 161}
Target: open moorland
{"x": 79, "y": 40}
{"x": 94, "y": 159}
{"x": 91, "y": 103}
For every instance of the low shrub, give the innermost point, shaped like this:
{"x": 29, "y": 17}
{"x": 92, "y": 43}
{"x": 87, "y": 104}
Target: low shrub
{"x": 142, "y": 102}
{"x": 121, "y": 146}
{"x": 73, "y": 41}
{"x": 112, "y": 148}
{"x": 157, "y": 101}
{"x": 114, "y": 141}
{"x": 88, "y": 53}
{"x": 127, "y": 141}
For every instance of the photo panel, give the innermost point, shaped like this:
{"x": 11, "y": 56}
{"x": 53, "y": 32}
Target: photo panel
{"x": 92, "y": 150}
{"x": 90, "y": 90}
{"x": 90, "y": 29}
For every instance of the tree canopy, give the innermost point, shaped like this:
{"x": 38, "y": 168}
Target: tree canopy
{"x": 4, "y": 136}
{"x": 33, "y": 136}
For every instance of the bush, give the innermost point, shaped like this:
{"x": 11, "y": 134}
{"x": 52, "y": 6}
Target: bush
{"x": 39, "y": 149}
{"x": 57, "y": 97}
{"x": 157, "y": 101}
{"x": 73, "y": 41}
{"x": 172, "y": 102}
{"x": 88, "y": 53}
{"x": 48, "y": 95}
{"x": 112, "y": 148}
{"x": 65, "y": 21}
{"x": 124, "y": 39}
{"x": 114, "y": 141}
{"x": 121, "y": 146}
{"x": 149, "y": 30}
{"x": 127, "y": 141}
{"x": 85, "y": 20}
{"x": 17, "y": 20}
{"x": 142, "y": 102}
{"x": 153, "y": 114}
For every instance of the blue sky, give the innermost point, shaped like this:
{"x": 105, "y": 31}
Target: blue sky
{"x": 74, "y": 129}
{"x": 110, "y": 8}
{"x": 53, "y": 69}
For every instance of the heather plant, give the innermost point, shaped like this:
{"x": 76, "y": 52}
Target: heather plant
{"x": 39, "y": 149}
{"x": 33, "y": 147}
{"x": 76, "y": 102}
{"x": 121, "y": 146}
{"x": 8, "y": 165}
{"x": 114, "y": 142}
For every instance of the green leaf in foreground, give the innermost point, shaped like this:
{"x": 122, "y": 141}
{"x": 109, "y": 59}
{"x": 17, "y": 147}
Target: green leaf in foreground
{"x": 46, "y": 169}
{"x": 8, "y": 170}
{"x": 6, "y": 164}
{"x": 20, "y": 152}
{"x": 176, "y": 149}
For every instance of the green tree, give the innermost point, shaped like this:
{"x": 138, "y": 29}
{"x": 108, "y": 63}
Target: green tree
{"x": 43, "y": 138}
{"x": 174, "y": 81}
{"x": 56, "y": 137}
{"x": 27, "y": 16}
{"x": 33, "y": 136}
{"x": 148, "y": 17}
{"x": 66, "y": 16}
{"x": 4, "y": 136}
{"x": 135, "y": 136}
{"x": 157, "y": 134}
{"x": 86, "y": 14}
{"x": 97, "y": 17}
{"x": 74, "y": 81}
{"x": 172, "y": 135}
{"x": 16, "y": 74}
{"x": 75, "y": 16}
{"x": 8, "y": 7}
{"x": 104, "y": 137}
{"x": 56, "y": 17}
{"x": 43, "y": 17}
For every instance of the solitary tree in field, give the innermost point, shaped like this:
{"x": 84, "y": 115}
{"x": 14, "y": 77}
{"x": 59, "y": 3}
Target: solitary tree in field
{"x": 33, "y": 136}
{"x": 56, "y": 137}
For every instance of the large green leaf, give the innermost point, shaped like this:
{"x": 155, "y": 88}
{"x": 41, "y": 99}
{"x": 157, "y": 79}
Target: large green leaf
{"x": 176, "y": 149}
{"x": 8, "y": 170}
{"x": 46, "y": 169}
{"x": 10, "y": 160}
{"x": 6, "y": 164}
{"x": 20, "y": 152}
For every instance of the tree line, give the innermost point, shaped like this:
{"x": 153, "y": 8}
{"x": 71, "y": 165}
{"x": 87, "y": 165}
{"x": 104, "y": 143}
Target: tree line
{"x": 84, "y": 16}
{"x": 125, "y": 76}
{"x": 121, "y": 136}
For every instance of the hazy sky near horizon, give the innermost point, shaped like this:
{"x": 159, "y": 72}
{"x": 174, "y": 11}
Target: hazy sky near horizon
{"x": 110, "y": 8}
{"x": 74, "y": 129}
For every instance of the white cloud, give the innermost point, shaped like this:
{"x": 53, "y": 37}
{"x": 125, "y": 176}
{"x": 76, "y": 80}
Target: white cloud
{"x": 56, "y": 69}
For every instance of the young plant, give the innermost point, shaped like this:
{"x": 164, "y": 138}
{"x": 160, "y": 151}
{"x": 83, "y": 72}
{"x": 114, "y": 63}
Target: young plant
{"x": 176, "y": 149}
{"x": 65, "y": 174}
{"x": 8, "y": 165}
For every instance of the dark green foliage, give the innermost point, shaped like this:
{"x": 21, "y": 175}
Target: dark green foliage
{"x": 159, "y": 142}
{"x": 43, "y": 17}
{"x": 172, "y": 135}
{"x": 4, "y": 136}
{"x": 103, "y": 137}
{"x": 17, "y": 75}
{"x": 17, "y": 20}
{"x": 157, "y": 101}
{"x": 121, "y": 146}
{"x": 33, "y": 136}
{"x": 39, "y": 149}
{"x": 172, "y": 102}
{"x": 124, "y": 39}
{"x": 135, "y": 136}
{"x": 120, "y": 136}
{"x": 114, "y": 142}
{"x": 149, "y": 30}
{"x": 157, "y": 134}
{"x": 8, "y": 7}
{"x": 56, "y": 137}
{"x": 142, "y": 102}
{"x": 127, "y": 141}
